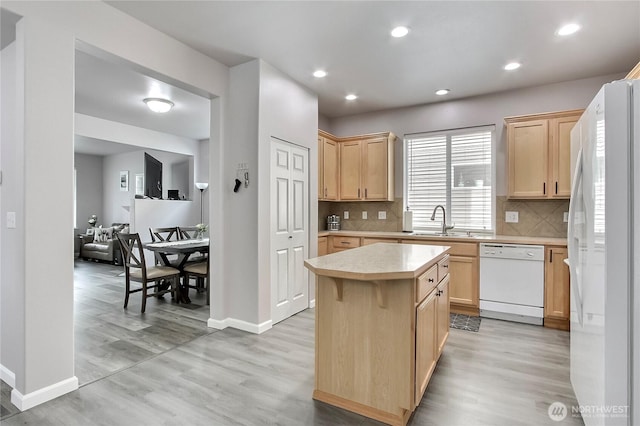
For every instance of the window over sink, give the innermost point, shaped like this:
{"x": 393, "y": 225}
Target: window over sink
{"x": 455, "y": 169}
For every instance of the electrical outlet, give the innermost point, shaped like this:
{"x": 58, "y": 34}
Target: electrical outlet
{"x": 382, "y": 215}
{"x": 345, "y": 215}
{"x": 364, "y": 215}
{"x": 565, "y": 217}
{"x": 511, "y": 217}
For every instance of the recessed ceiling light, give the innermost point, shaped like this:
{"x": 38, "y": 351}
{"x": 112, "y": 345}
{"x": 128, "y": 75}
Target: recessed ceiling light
{"x": 158, "y": 104}
{"x": 399, "y": 32}
{"x": 512, "y": 66}
{"x": 568, "y": 29}
{"x": 351, "y": 97}
{"x": 320, "y": 74}
{"x": 442, "y": 92}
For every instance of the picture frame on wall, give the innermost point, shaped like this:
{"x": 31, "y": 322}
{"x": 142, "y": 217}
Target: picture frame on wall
{"x": 139, "y": 184}
{"x": 124, "y": 180}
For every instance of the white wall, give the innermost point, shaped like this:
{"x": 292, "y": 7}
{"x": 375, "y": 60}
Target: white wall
{"x": 324, "y": 122}
{"x": 477, "y": 111}
{"x": 288, "y": 111}
{"x": 11, "y": 200}
{"x": 117, "y": 203}
{"x": 47, "y": 37}
{"x": 265, "y": 104}
{"x": 89, "y": 189}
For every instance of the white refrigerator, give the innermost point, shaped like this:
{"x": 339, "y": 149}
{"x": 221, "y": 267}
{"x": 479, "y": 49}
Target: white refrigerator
{"x": 604, "y": 257}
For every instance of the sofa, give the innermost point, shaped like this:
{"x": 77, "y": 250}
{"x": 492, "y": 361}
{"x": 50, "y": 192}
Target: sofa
{"x": 103, "y": 244}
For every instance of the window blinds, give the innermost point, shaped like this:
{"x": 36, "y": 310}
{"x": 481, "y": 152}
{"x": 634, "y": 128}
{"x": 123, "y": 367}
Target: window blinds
{"x": 454, "y": 169}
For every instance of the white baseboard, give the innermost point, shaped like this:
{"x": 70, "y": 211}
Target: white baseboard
{"x": 312, "y": 304}
{"x": 240, "y": 325}
{"x": 7, "y": 376}
{"x": 30, "y": 400}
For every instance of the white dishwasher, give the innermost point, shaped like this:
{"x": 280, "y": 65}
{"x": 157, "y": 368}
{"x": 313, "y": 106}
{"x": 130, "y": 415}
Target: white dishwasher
{"x": 512, "y": 282}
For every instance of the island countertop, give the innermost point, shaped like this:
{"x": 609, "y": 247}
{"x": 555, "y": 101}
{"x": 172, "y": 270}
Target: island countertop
{"x": 381, "y": 261}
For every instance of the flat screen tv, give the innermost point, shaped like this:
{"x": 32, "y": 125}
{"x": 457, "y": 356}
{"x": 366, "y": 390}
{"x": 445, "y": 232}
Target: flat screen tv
{"x": 152, "y": 177}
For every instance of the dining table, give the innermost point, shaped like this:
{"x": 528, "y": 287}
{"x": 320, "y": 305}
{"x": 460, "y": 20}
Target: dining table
{"x": 184, "y": 249}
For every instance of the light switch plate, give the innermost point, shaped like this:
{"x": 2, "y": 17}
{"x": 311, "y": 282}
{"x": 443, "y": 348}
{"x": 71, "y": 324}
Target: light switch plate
{"x": 511, "y": 217}
{"x": 345, "y": 215}
{"x": 364, "y": 215}
{"x": 382, "y": 215}
{"x": 565, "y": 217}
{"x": 11, "y": 220}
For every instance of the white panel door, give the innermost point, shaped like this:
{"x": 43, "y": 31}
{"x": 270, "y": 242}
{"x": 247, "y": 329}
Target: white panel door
{"x": 289, "y": 224}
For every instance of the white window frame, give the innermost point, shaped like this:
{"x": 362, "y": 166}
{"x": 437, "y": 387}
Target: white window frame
{"x": 437, "y": 224}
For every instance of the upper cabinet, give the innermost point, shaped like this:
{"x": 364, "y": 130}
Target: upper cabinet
{"x": 539, "y": 154}
{"x": 634, "y": 73}
{"x": 364, "y": 167}
{"x": 327, "y": 167}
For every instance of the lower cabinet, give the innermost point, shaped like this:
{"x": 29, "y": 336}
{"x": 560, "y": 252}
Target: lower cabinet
{"x": 426, "y": 350}
{"x": 432, "y": 331}
{"x": 339, "y": 243}
{"x": 323, "y": 247}
{"x": 464, "y": 284}
{"x": 556, "y": 288}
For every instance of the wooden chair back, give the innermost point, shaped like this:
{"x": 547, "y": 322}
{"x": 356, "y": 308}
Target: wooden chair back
{"x": 187, "y": 232}
{"x": 132, "y": 252}
{"x": 164, "y": 234}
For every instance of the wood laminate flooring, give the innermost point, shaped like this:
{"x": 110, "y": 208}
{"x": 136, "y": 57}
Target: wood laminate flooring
{"x": 505, "y": 374}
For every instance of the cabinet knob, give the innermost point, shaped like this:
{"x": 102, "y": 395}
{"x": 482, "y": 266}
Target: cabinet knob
{"x": 430, "y": 280}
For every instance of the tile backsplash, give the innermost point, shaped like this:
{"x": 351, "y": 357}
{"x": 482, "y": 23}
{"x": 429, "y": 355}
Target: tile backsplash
{"x": 536, "y": 218}
{"x": 392, "y": 209}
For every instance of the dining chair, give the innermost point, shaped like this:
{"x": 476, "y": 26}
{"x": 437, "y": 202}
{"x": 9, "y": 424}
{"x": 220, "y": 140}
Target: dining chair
{"x": 136, "y": 270}
{"x": 199, "y": 271}
{"x": 189, "y": 233}
{"x": 159, "y": 235}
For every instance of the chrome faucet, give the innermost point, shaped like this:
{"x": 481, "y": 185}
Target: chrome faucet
{"x": 445, "y": 227}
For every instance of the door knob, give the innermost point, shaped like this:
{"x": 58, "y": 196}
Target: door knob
{"x": 290, "y": 236}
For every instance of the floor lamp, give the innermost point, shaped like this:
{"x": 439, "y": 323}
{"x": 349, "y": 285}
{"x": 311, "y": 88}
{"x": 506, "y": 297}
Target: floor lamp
{"x": 201, "y": 186}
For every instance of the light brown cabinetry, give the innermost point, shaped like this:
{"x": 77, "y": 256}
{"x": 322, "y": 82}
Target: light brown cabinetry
{"x": 443, "y": 321}
{"x": 539, "y": 154}
{"x": 323, "y": 246}
{"x": 426, "y": 345}
{"x": 556, "y": 288}
{"x": 327, "y": 167}
{"x": 339, "y": 243}
{"x": 366, "y": 241}
{"x": 364, "y": 167}
{"x": 634, "y": 73}
{"x": 463, "y": 267}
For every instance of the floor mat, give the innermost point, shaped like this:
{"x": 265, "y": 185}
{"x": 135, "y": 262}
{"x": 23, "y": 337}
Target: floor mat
{"x": 465, "y": 322}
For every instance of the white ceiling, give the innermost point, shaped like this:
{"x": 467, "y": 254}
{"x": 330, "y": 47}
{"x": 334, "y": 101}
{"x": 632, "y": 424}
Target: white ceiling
{"x": 459, "y": 45}
{"x": 93, "y": 146}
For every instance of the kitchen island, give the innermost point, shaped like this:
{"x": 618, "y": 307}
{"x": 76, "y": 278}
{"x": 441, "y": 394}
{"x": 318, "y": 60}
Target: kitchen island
{"x": 382, "y": 318}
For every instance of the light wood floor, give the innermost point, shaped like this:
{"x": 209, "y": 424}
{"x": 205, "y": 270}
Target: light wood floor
{"x": 506, "y": 374}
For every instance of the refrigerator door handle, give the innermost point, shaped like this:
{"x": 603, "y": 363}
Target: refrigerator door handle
{"x": 573, "y": 241}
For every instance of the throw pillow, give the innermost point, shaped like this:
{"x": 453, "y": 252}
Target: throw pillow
{"x": 102, "y": 235}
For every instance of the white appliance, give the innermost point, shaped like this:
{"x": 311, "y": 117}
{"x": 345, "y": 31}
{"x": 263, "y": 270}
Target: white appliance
{"x": 604, "y": 259}
{"x": 512, "y": 282}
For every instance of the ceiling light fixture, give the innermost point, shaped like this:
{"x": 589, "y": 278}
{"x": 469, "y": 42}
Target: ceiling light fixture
{"x": 568, "y": 29}
{"x": 158, "y": 104}
{"x": 512, "y": 66}
{"x": 399, "y": 32}
{"x": 351, "y": 97}
{"x": 442, "y": 92}
{"x": 320, "y": 74}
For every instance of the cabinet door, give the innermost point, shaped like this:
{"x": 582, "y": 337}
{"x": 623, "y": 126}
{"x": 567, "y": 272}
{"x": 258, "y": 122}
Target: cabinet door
{"x": 375, "y": 164}
{"x": 560, "y": 156}
{"x": 443, "y": 313}
{"x": 320, "y": 168}
{"x": 350, "y": 170}
{"x": 556, "y": 284}
{"x": 528, "y": 145}
{"x": 330, "y": 169}
{"x": 463, "y": 282}
{"x": 426, "y": 349}
{"x": 323, "y": 247}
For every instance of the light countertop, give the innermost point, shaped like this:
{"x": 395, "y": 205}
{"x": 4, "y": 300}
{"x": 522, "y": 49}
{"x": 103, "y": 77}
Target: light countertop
{"x": 475, "y": 238}
{"x": 384, "y": 261}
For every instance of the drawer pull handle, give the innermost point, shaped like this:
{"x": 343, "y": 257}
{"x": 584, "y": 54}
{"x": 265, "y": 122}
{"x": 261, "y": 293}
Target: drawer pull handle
{"x": 345, "y": 242}
{"x": 446, "y": 266}
{"x": 430, "y": 280}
